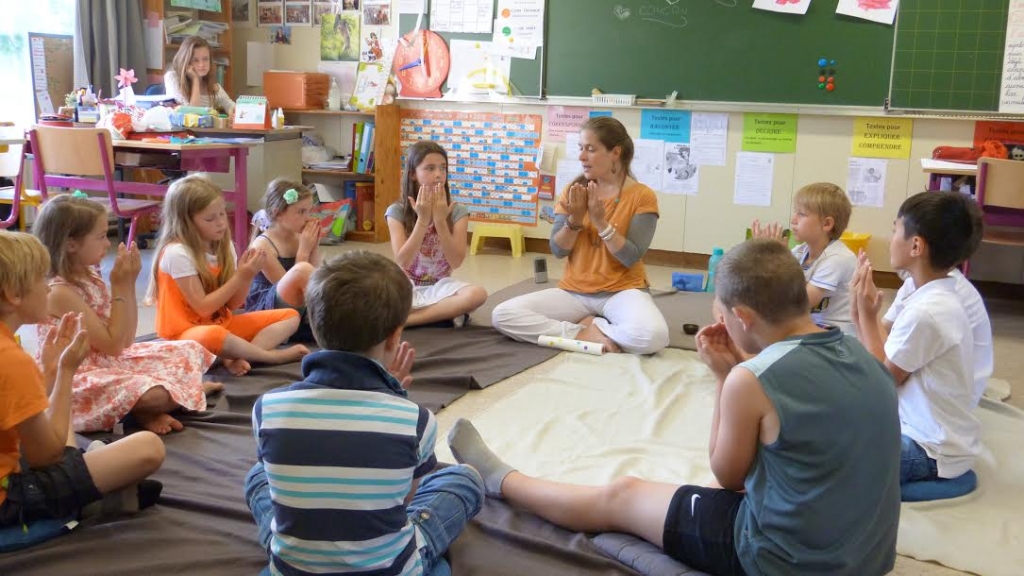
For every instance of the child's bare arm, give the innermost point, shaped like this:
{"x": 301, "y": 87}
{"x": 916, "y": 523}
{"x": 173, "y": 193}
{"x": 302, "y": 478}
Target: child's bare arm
{"x": 44, "y": 435}
{"x": 208, "y": 304}
{"x": 740, "y": 407}
{"x": 405, "y": 247}
{"x": 454, "y": 242}
{"x": 107, "y": 337}
{"x": 815, "y": 295}
{"x": 272, "y": 268}
{"x": 412, "y": 491}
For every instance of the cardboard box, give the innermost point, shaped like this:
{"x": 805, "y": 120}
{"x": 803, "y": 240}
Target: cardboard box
{"x": 296, "y": 90}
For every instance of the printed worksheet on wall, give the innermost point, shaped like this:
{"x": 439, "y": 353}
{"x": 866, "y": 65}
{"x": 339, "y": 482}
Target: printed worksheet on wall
{"x": 465, "y": 16}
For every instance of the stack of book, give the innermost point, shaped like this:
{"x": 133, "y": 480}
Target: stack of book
{"x": 180, "y": 25}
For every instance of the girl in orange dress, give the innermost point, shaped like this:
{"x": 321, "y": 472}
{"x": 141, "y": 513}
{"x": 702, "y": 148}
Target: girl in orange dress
{"x": 198, "y": 281}
{"x": 119, "y": 377}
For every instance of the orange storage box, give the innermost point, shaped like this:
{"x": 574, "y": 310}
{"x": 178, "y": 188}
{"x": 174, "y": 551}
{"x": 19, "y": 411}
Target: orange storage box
{"x": 296, "y": 90}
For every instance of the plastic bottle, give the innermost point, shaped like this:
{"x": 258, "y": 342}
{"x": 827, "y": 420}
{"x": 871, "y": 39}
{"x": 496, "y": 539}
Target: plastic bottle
{"x": 716, "y": 257}
{"x": 334, "y": 96}
{"x": 280, "y": 118}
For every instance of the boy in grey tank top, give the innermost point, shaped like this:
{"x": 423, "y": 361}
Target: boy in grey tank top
{"x": 808, "y": 428}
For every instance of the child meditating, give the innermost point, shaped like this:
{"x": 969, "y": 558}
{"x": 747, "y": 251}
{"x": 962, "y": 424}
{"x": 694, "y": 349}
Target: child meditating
{"x": 294, "y": 241}
{"x": 428, "y": 236}
{"x": 807, "y": 429}
{"x": 119, "y": 376}
{"x": 929, "y": 348}
{"x": 198, "y": 281}
{"x": 820, "y": 216}
{"x": 43, "y": 476}
{"x": 344, "y": 481}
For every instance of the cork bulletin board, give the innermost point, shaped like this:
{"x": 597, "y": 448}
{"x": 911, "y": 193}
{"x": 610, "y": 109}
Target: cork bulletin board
{"x": 52, "y": 59}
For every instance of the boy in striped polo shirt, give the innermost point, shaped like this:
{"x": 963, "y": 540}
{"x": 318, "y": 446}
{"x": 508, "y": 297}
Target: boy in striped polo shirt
{"x": 342, "y": 484}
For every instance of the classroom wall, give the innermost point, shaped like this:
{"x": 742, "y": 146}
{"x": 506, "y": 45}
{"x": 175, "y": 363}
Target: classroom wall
{"x": 696, "y": 224}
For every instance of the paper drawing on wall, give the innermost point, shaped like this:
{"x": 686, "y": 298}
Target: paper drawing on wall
{"x": 784, "y": 6}
{"x": 339, "y": 36}
{"x": 881, "y": 11}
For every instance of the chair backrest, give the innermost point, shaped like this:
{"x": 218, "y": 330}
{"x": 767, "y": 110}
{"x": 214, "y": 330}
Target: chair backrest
{"x": 74, "y": 151}
{"x": 155, "y": 89}
{"x": 10, "y": 162}
{"x": 1001, "y": 183}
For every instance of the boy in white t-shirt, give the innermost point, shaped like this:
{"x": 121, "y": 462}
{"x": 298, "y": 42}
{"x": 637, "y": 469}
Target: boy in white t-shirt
{"x": 930, "y": 347}
{"x": 820, "y": 215}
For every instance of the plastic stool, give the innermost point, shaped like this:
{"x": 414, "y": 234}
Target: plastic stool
{"x": 514, "y": 233}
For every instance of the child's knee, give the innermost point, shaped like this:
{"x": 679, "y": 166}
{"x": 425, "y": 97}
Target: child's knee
{"x": 148, "y": 451}
{"x": 461, "y": 481}
{"x": 211, "y": 337}
{"x": 475, "y": 296}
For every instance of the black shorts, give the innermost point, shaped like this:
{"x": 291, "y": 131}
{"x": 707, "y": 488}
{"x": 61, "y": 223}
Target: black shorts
{"x": 699, "y": 529}
{"x": 58, "y": 491}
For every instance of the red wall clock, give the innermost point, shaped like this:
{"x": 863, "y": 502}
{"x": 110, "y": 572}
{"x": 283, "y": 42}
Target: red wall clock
{"x": 421, "y": 64}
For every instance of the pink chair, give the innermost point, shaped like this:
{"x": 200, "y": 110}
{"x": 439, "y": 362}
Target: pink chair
{"x": 1001, "y": 198}
{"x": 83, "y": 158}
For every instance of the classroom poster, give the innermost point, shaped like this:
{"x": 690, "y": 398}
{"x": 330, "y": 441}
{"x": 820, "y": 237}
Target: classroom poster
{"x": 270, "y": 13}
{"x": 882, "y": 137}
{"x": 881, "y": 11}
{"x": 769, "y": 132}
{"x": 865, "y": 181}
{"x": 466, "y": 16}
{"x": 680, "y": 174}
{"x": 298, "y": 13}
{"x": 784, "y": 6}
{"x": 475, "y": 70}
{"x": 648, "y": 161}
{"x": 667, "y": 125}
{"x": 563, "y": 120}
{"x": 492, "y": 159}
{"x": 1011, "y": 89}
{"x": 708, "y": 134}
{"x": 755, "y": 172}
{"x": 599, "y": 113}
{"x": 519, "y": 28}
{"x": 995, "y": 130}
{"x": 339, "y": 36}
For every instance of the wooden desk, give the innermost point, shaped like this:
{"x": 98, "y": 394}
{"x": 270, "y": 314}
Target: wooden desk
{"x": 267, "y": 134}
{"x": 936, "y": 169}
{"x": 11, "y": 136}
{"x": 201, "y": 157}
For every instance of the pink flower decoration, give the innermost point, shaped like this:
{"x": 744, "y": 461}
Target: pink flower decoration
{"x": 126, "y": 78}
{"x": 874, "y": 4}
{"x": 784, "y": 2}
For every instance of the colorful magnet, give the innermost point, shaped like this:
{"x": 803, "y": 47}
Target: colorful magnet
{"x": 821, "y": 86}
{"x": 821, "y": 78}
{"x": 831, "y": 79}
{"x": 830, "y": 87}
{"x": 822, "y": 62}
{"x": 832, "y": 63}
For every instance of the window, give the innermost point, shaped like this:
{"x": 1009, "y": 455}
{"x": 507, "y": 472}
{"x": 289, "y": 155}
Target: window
{"x": 17, "y": 98}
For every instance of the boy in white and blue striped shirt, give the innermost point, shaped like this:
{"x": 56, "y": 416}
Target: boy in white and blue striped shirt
{"x": 342, "y": 484}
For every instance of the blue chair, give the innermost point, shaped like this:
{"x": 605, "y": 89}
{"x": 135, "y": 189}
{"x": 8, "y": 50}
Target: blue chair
{"x": 941, "y": 489}
{"x": 155, "y": 89}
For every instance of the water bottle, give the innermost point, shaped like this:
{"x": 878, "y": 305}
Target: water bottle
{"x": 716, "y": 257}
{"x": 334, "y": 96}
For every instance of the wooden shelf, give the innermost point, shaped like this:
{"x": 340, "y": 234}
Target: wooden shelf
{"x": 331, "y": 112}
{"x": 339, "y": 173}
{"x": 360, "y": 236}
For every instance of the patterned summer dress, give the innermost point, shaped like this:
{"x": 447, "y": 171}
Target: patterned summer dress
{"x": 106, "y": 388}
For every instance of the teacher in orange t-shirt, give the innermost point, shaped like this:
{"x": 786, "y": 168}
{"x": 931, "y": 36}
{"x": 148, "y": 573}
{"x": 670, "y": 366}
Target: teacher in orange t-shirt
{"x": 604, "y": 223}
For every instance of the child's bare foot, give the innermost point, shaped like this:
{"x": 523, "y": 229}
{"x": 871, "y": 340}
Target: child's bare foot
{"x": 237, "y": 366}
{"x": 290, "y": 354}
{"x": 210, "y": 388}
{"x": 593, "y": 334}
{"x": 158, "y": 423}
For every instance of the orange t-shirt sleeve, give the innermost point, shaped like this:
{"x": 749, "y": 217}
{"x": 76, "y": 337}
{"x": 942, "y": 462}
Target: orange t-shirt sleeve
{"x": 647, "y": 201}
{"x": 23, "y": 395}
{"x": 562, "y": 200}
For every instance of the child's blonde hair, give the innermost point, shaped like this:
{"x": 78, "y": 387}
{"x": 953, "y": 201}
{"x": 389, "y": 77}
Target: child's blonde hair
{"x": 23, "y": 261}
{"x": 276, "y": 200}
{"x": 827, "y": 201}
{"x": 62, "y": 219}
{"x": 185, "y": 198}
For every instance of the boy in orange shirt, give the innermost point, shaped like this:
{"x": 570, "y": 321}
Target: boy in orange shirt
{"x": 42, "y": 474}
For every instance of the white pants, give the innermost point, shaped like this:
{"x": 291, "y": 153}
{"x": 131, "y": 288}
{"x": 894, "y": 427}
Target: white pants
{"x": 629, "y": 318}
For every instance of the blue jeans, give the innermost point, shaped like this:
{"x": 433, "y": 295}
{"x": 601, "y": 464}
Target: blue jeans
{"x": 444, "y": 503}
{"x": 915, "y": 465}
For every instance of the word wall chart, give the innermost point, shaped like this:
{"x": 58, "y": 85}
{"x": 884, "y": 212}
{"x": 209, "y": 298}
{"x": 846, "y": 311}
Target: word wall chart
{"x": 492, "y": 160}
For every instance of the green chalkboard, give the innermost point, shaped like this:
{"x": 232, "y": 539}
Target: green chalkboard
{"x": 720, "y": 50}
{"x": 949, "y": 54}
{"x": 526, "y": 75}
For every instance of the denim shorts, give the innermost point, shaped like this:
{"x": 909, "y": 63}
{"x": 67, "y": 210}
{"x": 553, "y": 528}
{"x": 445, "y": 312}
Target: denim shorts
{"x": 56, "y": 491}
